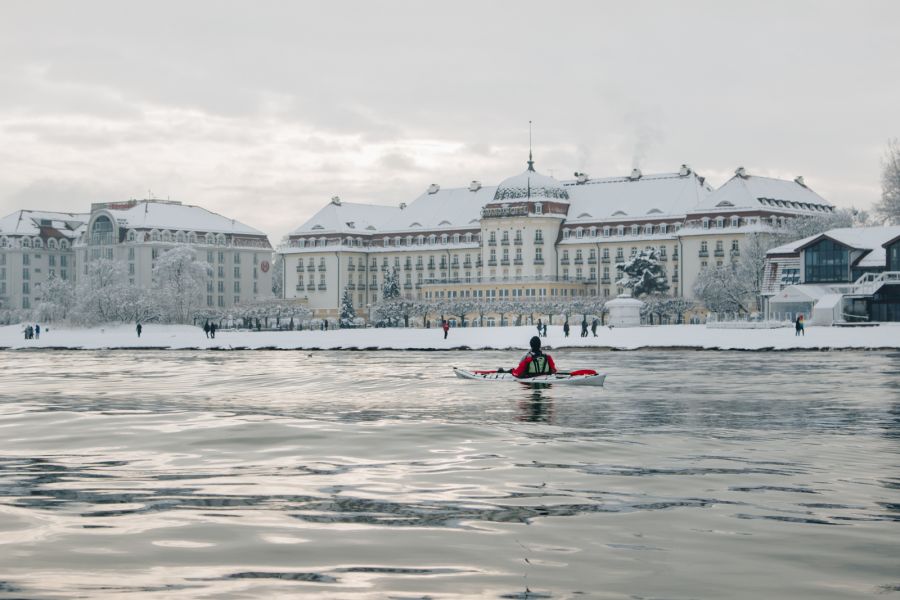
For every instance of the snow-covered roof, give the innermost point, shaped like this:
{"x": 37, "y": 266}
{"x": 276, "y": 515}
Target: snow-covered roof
{"x": 752, "y": 191}
{"x": 648, "y": 196}
{"x": 438, "y": 208}
{"x": 149, "y": 214}
{"x": 800, "y": 293}
{"x": 29, "y": 222}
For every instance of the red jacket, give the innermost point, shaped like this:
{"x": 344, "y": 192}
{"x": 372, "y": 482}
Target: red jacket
{"x": 522, "y": 369}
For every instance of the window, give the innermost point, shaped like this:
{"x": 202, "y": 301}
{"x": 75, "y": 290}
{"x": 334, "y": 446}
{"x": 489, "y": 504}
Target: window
{"x": 790, "y": 277}
{"x": 565, "y": 234}
{"x": 826, "y": 261}
{"x": 635, "y": 230}
{"x": 538, "y": 208}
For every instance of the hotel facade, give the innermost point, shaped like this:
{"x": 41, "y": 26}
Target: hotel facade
{"x": 533, "y": 237}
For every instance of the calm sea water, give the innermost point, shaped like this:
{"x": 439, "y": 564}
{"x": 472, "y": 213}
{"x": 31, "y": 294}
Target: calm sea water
{"x": 379, "y": 475}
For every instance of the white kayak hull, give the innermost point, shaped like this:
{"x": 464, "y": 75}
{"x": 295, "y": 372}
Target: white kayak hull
{"x": 595, "y": 380}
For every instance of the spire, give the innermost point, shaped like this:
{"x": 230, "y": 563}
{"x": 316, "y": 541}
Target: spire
{"x": 530, "y": 159}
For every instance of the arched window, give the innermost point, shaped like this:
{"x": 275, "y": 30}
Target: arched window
{"x": 444, "y": 238}
{"x": 26, "y": 242}
{"x": 179, "y": 237}
{"x": 38, "y": 242}
{"x": 51, "y": 244}
{"x": 64, "y": 244}
{"x": 192, "y": 237}
{"x": 101, "y": 231}
{"x": 455, "y": 238}
{"x": 210, "y": 239}
{"x": 220, "y": 239}
{"x": 432, "y": 239}
{"x": 166, "y": 235}
{"x": 4, "y": 242}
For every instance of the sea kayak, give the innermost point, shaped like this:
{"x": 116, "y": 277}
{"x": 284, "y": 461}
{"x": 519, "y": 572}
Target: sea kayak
{"x": 580, "y": 377}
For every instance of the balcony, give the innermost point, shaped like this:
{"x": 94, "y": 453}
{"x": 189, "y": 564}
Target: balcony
{"x": 300, "y": 288}
{"x": 564, "y": 261}
{"x": 675, "y": 256}
{"x": 300, "y": 268}
{"x": 321, "y": 287}
{"x": 419, "y": 266}
{"x": 592, "y": 261}
{"x": 703, "y": 254}
{"x": 605, "y": 260}
{"x": 504, "y": 242}
{"x": 579, "y": 261}
{"x": 735, "y": 253}
{"x": 310, "y": 286}
{"x": 467, "y": 264}
{"x": 431, "y": 266}
{"x": 351, "y": 286}
{"x": 504, "y": 262}
{"x": 620, "y": 259}
{"x": 604, "y": 280}
{"x": 407, "y": 266}
{"x": 407, "y": 285}
{"x": 478, "y": 264}
{"x": 351, "y": 267}
{"x": 310, "y": 268}
{"x": 538, "y": 241}
{"x": 492, "y": 262}
{"x": 719, "y": 253}
{"x": 321, "y": 268}
{"x": 517, "y": 261}
{"x": 675, "y": 278}
{"x": 539, "y": 261}
{"x": 373, "y": 286}
{"x": 454, "y": 265}
{"x": 518, "y": 241}
{"x": 492, "y": 242}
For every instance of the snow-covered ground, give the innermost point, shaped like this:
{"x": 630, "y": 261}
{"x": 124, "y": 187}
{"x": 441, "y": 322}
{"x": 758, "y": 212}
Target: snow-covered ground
{"x": 664, "y": 336}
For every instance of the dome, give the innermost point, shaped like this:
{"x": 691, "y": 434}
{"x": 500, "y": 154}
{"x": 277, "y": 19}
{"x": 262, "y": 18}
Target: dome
{"x": 530, "y": 184}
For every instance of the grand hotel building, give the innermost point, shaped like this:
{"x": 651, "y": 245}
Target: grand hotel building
{"x": 533, "y": 237}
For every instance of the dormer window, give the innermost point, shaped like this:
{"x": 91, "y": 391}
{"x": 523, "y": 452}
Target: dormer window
{"x": 635, "y": 230}
{"x": 565, "y": 234}
{"x": 663, "y": 228}
{"x": 593, "y": 232}
{"x": 705, "y": 222}
{"x": 538, "y": 208}
{"x": 648, "y": 229}
{"x": 432, "y": 239}
{"x": 720, "y": 222}
{"x": 620, "y": 230}
{"x": 455, "y": 238}
{"x": 444, "y": 238}
{"x": 579, "y": 233}
{"x": 387, "y": 242}
{"x": 735, "y": 221}
{"x": 606, "y": 231}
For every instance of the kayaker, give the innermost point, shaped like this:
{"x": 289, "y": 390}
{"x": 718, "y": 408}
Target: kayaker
{"x": 535, "y": 362}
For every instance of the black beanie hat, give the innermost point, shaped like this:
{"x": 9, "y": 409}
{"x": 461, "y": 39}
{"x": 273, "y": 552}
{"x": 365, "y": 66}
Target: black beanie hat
{"x": 535, "y": 343}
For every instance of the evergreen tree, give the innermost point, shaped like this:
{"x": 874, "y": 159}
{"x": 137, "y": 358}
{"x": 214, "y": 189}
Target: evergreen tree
{"x": 348, "y": 314}
{"x": 643, "y": 274}
{"x": 391, "y": 284}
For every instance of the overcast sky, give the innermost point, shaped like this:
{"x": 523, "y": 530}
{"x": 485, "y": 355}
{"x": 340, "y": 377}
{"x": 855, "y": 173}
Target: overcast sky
{"x": 263, "y": 110}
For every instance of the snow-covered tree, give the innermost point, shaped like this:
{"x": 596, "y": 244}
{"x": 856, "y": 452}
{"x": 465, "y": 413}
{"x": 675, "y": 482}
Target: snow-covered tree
{"x": 888, "y": 208}
{"x": 100, "y": 292}
{"x": 348, "y": 313}
{"x": 278, "y": 276}
{"x": 391, "y": 287}
{"x": 57, "y": 299}
{"x": 724, "y": 289}
{"x": 180, "y": 283}
{"x": 658, "y": 307}
{"x": 397, "y": 311}
{"x": 643, "y": 274}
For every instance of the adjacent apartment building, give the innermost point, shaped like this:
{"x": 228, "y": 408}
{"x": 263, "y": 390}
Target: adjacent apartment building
{"x": 34, "y": 247}
{"x": 533, "y": 236}
{"x": 136, "y": 232}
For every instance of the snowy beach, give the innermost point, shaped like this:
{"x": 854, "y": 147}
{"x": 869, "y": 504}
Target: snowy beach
{"x": 500, "y": 338}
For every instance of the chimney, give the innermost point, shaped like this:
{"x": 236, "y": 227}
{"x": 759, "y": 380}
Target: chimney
{"x": 402, "y": 205}
{"x": 741, "y": 172}
{"x": 433, "y": 188}
{"x": 474, "y": 186}
{"x": 799, "y": 179}
{"x": 581, "y": 177}
{"x": 684, "y": 171}
{"x": 336, "y": 200}
{"x": 635, "y": 174}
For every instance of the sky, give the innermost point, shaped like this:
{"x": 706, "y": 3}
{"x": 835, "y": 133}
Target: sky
{"x": 263, "y": 110}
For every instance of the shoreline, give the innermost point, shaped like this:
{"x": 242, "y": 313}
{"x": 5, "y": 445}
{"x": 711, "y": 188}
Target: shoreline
{"x": 657, "y": 338}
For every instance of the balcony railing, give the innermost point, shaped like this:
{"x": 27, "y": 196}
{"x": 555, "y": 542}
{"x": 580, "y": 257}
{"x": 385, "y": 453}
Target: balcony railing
{"x": 517, "y": 261}
{"x": 564, "y": 261}
{"x": 351, "y": 267}
{"x": 351, "y": 286}
{"x": 620, "y": 259}
{"x": 300, "y": 288}
{"x": 300, "y": 268}
{"x": 604, "y": 280}
{"x": 579, "y": 261}
{"x": 518, "y": 241}
{"x": 504, "y": 242}
{"x": 538, "y": 240}
{"x": 407, "y": 285}
{"x": 592, "y": 261}
{"x": 467, "y": 264}
{"x": 504, "y": 262}
{"x": 703, "y": 253}
{"x": 492, "y": 262}
{"x": 605, "y": 260}
{"x": 539, "y": 261}
{"x": 499, "y": 279}
{"x": 310, "y": 286}
{"x": 321, "y": 286}
{"x": 492, "y": 242}
{"x": 373, "y": 286}
{"x": 419, "y": 266}
{"x": 310, "y": 268}
{"x": 719, "y": 253}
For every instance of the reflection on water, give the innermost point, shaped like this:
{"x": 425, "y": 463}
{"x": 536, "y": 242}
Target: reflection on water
{"x": 364, "y": 475}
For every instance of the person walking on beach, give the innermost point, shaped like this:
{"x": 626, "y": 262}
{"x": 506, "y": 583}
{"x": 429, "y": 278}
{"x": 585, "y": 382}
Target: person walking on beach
{"x": 206, "y": 328}
{"x": 446, "y": 327}
{"x": 584, "y": 326}
{"x": 139, "y": 328}
{"x": 566, "y": 328}
{"x": 594, "y": 324}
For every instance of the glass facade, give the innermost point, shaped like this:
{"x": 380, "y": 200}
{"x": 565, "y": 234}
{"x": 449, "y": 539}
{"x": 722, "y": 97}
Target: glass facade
{"x": 826, "y": 262}
{"x": 892, "y": 253}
